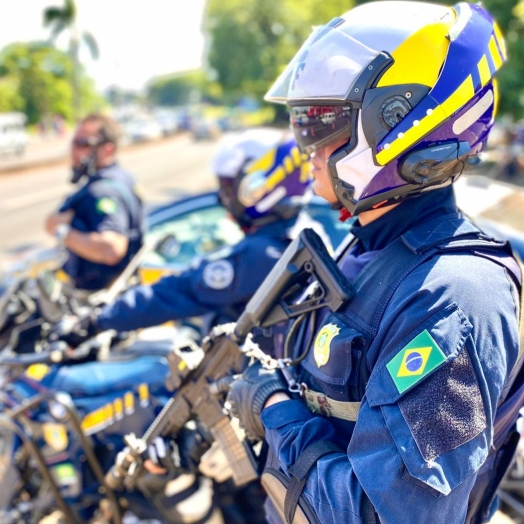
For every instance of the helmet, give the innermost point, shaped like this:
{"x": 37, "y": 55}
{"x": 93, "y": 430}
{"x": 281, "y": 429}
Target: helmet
{"x": 406, "y": 88}
{"x": 262, "y": 175}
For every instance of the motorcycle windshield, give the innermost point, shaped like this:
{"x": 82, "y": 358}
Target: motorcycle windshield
{"x": 325, "y": 68}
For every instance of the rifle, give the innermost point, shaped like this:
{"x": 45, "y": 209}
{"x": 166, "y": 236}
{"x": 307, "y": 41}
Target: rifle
{"x": 197, "y": 388}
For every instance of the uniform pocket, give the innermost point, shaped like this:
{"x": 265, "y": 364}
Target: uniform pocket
{"x": 333, "y": 362}
{"x": 432, "y": 398}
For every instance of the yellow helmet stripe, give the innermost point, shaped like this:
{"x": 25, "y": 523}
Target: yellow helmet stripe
{"x": 500, "y": 41}
{"x": 493, "y": 49}
{"x": 419, "y": 59}
{"x": 264, "y": 163}
{"x": 484, "y": 70}
{"x": 421, "y": 128}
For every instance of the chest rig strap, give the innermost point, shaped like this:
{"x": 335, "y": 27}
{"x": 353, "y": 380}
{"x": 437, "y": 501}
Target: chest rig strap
{"x": 320, "y": 403}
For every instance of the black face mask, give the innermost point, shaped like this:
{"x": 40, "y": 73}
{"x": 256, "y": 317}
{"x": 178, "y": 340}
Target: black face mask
{"x": 87, "y": 167}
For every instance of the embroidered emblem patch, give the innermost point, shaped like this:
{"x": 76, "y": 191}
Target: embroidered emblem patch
{"x": 106, "y": 206}
{"x": 55, "y": 436}
{"x": 219, "y": 274}
{"x": 323, "y": 343}
{"x": 416, "y": 360}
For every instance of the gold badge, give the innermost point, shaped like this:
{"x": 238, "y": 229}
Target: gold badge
{"x": 323, "y": 343}
{"x": 55, "y": 436}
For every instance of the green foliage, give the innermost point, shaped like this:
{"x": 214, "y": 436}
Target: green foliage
{"x": 40, "y": 77}
{"x": 253, "y": 40}
{"x": 177, "y": 89}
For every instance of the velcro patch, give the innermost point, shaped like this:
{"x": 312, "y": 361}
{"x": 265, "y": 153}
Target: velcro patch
{"x": 447, "y": 410}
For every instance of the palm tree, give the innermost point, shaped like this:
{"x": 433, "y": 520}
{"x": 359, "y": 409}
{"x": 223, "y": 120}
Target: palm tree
{"x": 60, "y": 19}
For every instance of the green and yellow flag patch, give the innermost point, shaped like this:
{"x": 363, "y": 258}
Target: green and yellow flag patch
{"x": 416, "y": 360}
{"x": 106, "y": 206}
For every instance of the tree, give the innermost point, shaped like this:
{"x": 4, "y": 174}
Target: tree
{"x": 36, "y": 79}
{"x": 251, "y": 41}
{"x": 176, "y": 89}
{"x": 60, "y": 19}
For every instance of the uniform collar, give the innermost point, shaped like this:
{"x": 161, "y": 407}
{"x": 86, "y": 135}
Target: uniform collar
{"x": 385, "y": 229}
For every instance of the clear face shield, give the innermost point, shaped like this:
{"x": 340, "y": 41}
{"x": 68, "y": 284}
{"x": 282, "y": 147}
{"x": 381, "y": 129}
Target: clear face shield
{"x": 324, "y": 86}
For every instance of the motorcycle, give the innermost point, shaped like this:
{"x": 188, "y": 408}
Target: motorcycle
{"x": 64, "y": 414}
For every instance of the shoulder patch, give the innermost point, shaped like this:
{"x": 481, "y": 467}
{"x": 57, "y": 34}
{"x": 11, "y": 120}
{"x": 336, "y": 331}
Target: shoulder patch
{"x": 219, "y": 274}
{"x": 106, "y": 206}
{"x": 416, "y": 360}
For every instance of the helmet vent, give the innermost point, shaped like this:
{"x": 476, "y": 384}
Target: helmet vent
{"x": 393, "y": 110}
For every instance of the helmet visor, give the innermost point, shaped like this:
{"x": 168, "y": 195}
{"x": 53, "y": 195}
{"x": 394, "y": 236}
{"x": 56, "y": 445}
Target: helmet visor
{"x": 324, "y": 69}
{"x": 320, "y": 126}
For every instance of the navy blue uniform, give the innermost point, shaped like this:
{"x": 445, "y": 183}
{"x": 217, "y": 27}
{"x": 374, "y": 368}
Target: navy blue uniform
{"x": 224, "y": 281}
{"x": 429, "y": 382}
{"x": 106, "y": 203}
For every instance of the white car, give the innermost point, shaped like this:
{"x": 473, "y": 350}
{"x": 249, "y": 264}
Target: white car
{"x": 13, "y": 136}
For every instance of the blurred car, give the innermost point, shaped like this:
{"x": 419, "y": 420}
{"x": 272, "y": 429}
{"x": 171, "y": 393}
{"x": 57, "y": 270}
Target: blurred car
{"x": 204, "y": 129}
{"x": 142, "y": 130}
{"x": 13, "y": 136}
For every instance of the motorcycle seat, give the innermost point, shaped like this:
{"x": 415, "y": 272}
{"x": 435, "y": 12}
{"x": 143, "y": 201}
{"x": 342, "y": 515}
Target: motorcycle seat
{"x": 101, "y": 378}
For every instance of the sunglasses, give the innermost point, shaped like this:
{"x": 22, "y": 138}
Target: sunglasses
{"x": 87, "y": 142}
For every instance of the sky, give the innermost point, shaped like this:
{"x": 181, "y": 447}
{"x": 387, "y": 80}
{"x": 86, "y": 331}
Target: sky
{"x": 138, "y": 39}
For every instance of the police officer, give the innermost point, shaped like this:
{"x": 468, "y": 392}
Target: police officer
{"x": 101, "y": 224}
{"x": 405, "y": 389}
{"x": 263, "y": 181}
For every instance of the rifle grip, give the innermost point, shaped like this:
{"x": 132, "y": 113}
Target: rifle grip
{"x": 234, "y": 449}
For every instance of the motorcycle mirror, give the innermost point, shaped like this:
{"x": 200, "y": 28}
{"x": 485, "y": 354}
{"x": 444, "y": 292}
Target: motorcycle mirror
{"x": 168, "y": 246}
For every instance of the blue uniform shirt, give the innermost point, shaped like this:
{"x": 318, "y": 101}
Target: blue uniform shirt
{"x": 222, "y": 281}
{"x": 107, "y": 202}
{"x": 414, "y": 452}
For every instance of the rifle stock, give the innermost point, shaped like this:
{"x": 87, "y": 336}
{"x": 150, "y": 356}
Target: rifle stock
{"x": 306, "y": 257}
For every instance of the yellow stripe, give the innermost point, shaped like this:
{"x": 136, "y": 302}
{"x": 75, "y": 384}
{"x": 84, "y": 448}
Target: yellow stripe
{"x": 484, "y": 72}
{"x": 460, "y": 97}
{"x": 94, "y": 419}
{"x": 276, "y": 177}
{"x": 264, "y": 163}
{"x": 118, "y": 406}
{"x": 129, "y": 402}
{"x": 495, "y": 97}
{"x": 419, "y": 59}
{"x": 497, "y": 60}
{"x": 143, "y": 393}
{"x": 500, "y": 40}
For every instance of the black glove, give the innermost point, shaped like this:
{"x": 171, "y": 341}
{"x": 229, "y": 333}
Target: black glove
{"x": 181, "y": 454}
{"x": 76, "y": 332}
{"x": 249, "y": 393}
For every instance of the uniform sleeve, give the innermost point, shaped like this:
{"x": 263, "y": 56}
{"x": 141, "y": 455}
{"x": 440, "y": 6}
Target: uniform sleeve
{"x": 104, "y": 210}
{"x": 216, "y": 283}
{"x": 424, "y": 428}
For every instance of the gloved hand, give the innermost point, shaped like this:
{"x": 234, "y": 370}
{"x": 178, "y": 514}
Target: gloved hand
{"x": 181, "y": 454}
{"x": 74, "y": 331}
{"x": 249, "y": 393}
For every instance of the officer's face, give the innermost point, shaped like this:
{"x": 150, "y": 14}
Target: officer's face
{"x": 322, "y": 185}
{"x": 86, "y": 135}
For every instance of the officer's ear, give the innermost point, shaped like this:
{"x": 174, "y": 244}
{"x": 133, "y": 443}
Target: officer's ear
{"x": 106, "y": 151}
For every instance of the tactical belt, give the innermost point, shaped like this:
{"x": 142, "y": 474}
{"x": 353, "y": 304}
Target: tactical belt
{"x": 319, "y": 403}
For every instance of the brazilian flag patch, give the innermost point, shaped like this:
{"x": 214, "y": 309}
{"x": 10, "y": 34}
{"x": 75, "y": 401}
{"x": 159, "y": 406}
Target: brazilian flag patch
{"x": 106, "y": 206}
{"x": 416, "y": 360}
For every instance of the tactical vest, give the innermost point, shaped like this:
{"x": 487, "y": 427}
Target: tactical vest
{"x": 375, "y": 285}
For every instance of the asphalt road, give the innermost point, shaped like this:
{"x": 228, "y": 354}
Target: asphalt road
{"x": 164, "y": 169}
